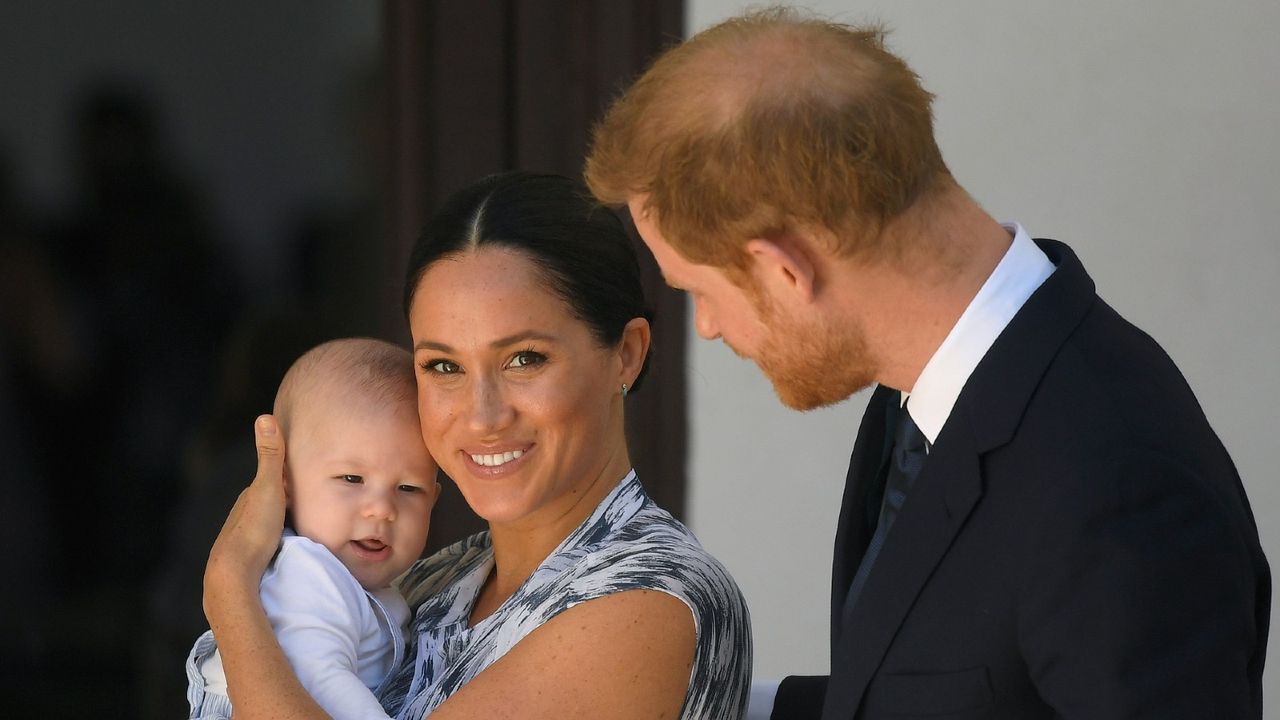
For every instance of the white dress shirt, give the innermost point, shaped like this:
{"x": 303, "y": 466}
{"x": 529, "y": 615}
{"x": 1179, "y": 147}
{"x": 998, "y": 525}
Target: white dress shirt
{"x": 1022, "y": 269}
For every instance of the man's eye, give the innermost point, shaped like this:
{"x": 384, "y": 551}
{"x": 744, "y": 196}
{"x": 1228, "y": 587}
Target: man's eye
{"x": 353, "y": 479}
{"x": 527, "y": 358}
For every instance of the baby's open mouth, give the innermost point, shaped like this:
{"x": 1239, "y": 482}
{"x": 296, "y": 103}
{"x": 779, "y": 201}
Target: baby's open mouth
{"x": 370, "y": 544}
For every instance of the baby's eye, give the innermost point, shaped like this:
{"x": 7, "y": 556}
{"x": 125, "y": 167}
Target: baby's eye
{"x": 353, "y": 479}
{"x": 410, "y": 488}
{"x": 527, "y": 358}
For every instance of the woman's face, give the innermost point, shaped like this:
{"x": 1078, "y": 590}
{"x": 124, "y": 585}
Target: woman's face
{"x": 519, "y": 403}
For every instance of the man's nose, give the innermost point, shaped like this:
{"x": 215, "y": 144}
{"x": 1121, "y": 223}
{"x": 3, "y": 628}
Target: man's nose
{"x": 704, "y": 323}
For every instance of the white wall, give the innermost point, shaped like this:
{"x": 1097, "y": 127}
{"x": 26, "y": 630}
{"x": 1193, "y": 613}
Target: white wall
{"x": 1144, "y": 134}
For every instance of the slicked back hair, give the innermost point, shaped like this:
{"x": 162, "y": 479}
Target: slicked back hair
{"x": 579, "y": 246}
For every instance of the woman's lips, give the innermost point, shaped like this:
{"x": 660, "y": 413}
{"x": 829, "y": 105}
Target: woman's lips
{"x": 492, "y": 464}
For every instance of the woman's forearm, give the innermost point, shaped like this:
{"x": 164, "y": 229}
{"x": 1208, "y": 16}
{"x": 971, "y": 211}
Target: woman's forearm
{"x": 260, "y": 681}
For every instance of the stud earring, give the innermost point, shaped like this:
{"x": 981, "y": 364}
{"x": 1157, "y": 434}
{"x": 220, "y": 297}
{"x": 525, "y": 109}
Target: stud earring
{"x": 625, "y": 389}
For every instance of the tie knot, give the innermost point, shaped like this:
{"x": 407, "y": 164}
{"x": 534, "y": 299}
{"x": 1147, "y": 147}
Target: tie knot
{"x": 908, "y": 438}
{"x": 909, "y": 447}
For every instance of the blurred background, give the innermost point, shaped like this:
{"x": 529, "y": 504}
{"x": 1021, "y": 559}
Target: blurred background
{"x": 191, "y": 194}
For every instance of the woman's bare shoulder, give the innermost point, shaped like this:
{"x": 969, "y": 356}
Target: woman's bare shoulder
{"x": 623, "y": 655}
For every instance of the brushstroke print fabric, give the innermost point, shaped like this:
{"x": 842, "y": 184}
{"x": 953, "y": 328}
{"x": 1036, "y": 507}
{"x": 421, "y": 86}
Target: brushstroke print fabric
{"x": 628, "y": 543}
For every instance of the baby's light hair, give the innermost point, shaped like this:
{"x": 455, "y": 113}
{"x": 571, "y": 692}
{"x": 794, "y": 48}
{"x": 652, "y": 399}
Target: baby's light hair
{"x": 359, "y": 370}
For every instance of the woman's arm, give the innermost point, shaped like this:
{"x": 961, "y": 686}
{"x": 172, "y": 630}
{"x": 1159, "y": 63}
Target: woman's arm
{"x": 622, "y": 656}
{"x": 260, "y": 680}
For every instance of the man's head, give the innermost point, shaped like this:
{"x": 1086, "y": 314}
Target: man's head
{"x": 765, "y": 124}
{"x": 812, "y": 358}
{"x": 758, "y": 156}
{"x": 359, "y": 478}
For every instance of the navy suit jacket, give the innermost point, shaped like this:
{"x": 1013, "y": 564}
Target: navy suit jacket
{"x": 1077, "y": 545}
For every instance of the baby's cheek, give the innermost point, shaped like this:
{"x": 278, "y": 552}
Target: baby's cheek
{"x": 422, "y": 528}
{"x": 310, "y": 521}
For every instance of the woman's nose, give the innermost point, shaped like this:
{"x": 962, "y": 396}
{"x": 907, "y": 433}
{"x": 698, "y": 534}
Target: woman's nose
{"x": 490, "y": 409}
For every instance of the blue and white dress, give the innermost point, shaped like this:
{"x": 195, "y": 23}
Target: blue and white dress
{"x": 628, "y": 543}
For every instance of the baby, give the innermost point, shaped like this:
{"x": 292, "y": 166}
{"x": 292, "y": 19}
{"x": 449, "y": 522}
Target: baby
{"x": 360, "y": 487}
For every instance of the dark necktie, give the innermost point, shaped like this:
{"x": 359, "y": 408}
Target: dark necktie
{"x": 906, "y": 459}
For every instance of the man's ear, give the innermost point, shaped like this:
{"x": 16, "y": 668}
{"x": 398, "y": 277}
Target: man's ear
{"x": 786, "y": 265}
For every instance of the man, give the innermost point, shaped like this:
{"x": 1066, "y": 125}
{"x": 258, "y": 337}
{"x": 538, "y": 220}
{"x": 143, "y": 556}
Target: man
{"x": 1038, "y": 521}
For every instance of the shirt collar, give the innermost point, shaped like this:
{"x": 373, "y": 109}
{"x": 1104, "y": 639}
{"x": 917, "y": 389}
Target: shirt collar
{"x": 1022, "y": 269}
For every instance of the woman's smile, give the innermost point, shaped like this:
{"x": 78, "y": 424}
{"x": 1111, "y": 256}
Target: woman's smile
{"x": 496, "y": 459}
{"x": 517, "y": 388}
{"x": 496, "y": 464}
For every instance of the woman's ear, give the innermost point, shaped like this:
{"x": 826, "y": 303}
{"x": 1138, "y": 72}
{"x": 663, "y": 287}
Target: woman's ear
{"x": 633, "y": 348}
{"x": 786, "y": 266}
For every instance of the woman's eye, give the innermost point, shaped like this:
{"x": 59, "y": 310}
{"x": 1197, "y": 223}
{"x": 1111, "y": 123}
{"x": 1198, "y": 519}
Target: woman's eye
{"x": 441, "y": 367}
{"x": 527, "y": 358}
{"x": 353, "y": 479}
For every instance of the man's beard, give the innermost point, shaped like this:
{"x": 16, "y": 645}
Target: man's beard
{"x": 811, "y": 367}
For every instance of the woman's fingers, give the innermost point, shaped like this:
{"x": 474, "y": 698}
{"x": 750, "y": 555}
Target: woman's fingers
{"x": 270, "y": 445}
{"x": 251, "y": 533}
{"x": 262, "y": 511}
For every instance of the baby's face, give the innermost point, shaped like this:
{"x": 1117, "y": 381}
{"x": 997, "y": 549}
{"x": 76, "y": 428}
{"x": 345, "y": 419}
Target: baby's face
{"x": 362, "y": 484}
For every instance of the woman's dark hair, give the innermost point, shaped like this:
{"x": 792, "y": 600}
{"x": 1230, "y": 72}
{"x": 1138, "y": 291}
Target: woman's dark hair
{"x": 579, "y": 244}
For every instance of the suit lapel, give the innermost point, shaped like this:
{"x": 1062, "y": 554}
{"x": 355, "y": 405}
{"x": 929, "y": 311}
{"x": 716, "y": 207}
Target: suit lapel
{"x": 947, "y": 489}
{"x": 853, "y": 532}
{"x": 950, "y": 484}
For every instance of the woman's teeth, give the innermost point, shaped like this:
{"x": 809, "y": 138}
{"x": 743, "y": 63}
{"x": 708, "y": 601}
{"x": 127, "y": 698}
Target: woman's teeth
{"x": 496, "y": 459}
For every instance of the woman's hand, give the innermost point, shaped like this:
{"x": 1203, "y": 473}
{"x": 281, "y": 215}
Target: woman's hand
{"x": 259, "y": 678}
{"x": 251, "y": 533}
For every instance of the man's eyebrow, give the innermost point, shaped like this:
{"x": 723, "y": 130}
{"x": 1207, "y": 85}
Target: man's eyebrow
{"x": 522, "y": 336}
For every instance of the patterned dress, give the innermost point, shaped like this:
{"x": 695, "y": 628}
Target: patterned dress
{"x": 628, "y": 543}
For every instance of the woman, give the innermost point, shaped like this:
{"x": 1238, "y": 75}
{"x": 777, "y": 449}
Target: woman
{"x": 584, "y": 599}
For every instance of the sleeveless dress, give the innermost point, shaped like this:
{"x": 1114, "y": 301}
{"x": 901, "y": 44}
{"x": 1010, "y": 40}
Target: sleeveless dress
{"x": 628, "y": 543}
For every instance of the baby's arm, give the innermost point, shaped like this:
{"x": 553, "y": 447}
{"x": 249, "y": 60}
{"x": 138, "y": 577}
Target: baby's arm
{"x": 319, "y": 614}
